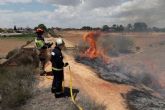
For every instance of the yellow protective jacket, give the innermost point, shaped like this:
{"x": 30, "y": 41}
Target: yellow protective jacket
{"x": 39, "y": 43}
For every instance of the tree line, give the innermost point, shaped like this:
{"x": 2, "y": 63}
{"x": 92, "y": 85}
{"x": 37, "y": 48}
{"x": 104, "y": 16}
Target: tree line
{"x": 136, "y": 27}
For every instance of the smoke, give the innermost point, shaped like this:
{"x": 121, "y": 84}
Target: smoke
{"x": 118, "y": 71}
{"x": 121, "y": 73}
{"x": 115, "y": 45}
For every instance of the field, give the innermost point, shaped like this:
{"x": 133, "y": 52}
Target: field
{"x": 151, "y": 52}
{"x": 11, "y": 42}
{"x": 150, "y": 55}
{"x": 152, "y": 48}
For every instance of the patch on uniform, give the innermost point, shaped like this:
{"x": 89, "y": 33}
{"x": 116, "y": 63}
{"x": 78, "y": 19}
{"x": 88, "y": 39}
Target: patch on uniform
{"x": 52, "y": 53}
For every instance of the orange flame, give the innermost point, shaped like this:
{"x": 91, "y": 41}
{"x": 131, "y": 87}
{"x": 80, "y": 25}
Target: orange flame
{"x": 93, "y": 52}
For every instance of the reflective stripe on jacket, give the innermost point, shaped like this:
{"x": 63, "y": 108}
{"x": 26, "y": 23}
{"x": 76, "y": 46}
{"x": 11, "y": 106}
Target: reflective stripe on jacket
{"x": 57, "y": 69}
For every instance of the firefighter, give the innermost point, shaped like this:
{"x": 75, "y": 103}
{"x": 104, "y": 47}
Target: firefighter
{"x": 40, "y": 41}
{"x": 58, "y": 68}
{"x": 42, "y": 47}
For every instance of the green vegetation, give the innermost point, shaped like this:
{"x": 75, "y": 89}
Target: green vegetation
{"x": 105, "y": 28}
{"x": 1, "y": 30}
{"x": 140, "y": 27}
{"x": 20, "y": 37}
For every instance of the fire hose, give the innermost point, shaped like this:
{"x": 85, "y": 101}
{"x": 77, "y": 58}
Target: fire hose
{"x": 71, "y": 91}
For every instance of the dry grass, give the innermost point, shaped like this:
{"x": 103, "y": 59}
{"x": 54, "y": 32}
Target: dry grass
{"x": 16, "y": 85}
{"x": 87, "y": 104}
{"x": 11, "y": 53}
{"x": 21, "y": 57}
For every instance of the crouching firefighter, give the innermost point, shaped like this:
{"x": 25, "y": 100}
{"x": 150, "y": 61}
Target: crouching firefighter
{"x": 58, "y": 68}
{"x": 42, "y": 47}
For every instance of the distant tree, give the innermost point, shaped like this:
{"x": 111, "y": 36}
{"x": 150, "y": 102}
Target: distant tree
{"x": 1, "y": 30}
{"x": 129, "y": 27}
{"x": 155, "y": 29}
{"x": 114, "y": 26}
{"x": 163, "y": 30}
{"x": 96, "y": 28}
{"x": 117, "y": 28}
{"x": 42, "y": 26}
{"x": 10, "y": 30}
{"x": 86, "y": 28}
{"x": 121, "y": 28}
{"x": 149, "y": 29}
{"x": 15, "y": 28}
{"x": 105, "y": 28}
{"x": 140, "y": 26}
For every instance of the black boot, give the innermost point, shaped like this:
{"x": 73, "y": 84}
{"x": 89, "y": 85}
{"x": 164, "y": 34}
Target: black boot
{"x": 59, "y": 95}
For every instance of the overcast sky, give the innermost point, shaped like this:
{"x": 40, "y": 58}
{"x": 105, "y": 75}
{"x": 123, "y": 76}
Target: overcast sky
{"x": 78, "y": 13}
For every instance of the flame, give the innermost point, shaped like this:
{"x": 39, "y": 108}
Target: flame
{"x": 93, "y": 52}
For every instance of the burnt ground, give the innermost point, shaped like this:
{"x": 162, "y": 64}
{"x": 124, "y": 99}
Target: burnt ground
{"x": 121, "y": 73}
{"x": 143, "y": 100}
{"x": 136, "y": 99}
{"x": 109, "y": 72}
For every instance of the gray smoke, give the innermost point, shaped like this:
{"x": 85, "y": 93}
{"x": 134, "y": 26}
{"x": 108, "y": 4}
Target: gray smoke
{"x": 117, "y": 71}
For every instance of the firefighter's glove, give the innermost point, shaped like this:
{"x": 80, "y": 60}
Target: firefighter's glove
{"x": 66, "y": 64}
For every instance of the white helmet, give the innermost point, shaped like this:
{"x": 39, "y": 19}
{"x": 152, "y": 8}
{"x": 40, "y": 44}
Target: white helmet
{"x": 59, "y": 42}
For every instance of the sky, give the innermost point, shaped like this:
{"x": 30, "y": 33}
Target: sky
{"x": 78, "y": 13}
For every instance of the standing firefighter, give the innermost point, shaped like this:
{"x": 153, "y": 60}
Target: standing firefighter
{"x": 57, "y": 68}
{"x": 42, "y": 47}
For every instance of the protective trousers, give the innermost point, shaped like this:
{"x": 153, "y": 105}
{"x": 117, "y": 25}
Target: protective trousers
{"x": 57, "y": 82}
